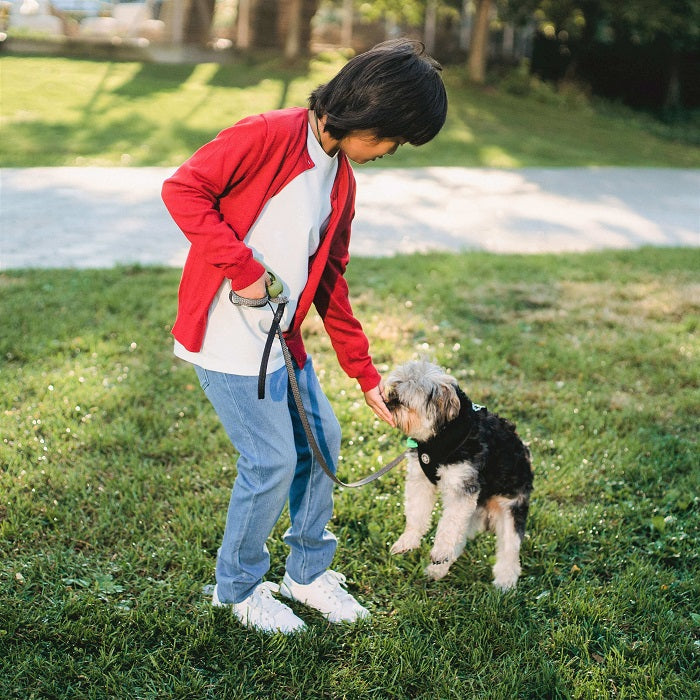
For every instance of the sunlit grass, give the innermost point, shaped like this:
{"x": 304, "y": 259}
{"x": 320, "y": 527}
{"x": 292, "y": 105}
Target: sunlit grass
{"x": 59, "y": 111}
{"x": 115, "y": 479}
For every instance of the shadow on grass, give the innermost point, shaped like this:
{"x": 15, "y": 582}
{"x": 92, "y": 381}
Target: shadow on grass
{"x": 52, "y": 143}
{"x": 49, "y": 142}
{"x": 154, "y": 78}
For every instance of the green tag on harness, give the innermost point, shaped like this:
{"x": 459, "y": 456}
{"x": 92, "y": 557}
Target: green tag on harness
{"x": 410, "y": 442}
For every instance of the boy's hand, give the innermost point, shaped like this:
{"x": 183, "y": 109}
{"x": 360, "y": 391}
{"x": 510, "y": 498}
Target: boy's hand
{"x": 375, "y": 400}
{"x": 257, "y": 290}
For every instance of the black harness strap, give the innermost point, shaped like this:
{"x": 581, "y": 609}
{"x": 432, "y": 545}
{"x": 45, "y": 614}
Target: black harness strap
{"x": 441, "y": 448}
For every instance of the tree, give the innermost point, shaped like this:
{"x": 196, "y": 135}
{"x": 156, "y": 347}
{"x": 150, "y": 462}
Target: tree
{"x": 665, "y": 30}
{"x": 280, "y": 24}
{"x": 244, "y": 32}
{"x": 188, "y": 21}
{"x": 199, "y": 21}
{"x": 478, "y": 46}
{"x": 295, "y": 25}
{"x": 430, "y": 29}
{"x": 347, "y": 23}
{"x": 673, "y": 27}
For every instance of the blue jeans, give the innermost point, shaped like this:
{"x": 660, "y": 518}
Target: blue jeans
{"x": 275, "y": 464}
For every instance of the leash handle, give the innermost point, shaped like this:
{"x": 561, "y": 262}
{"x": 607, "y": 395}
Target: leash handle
{"x": 238, "y": 300}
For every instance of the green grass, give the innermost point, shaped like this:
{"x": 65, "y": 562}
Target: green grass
{"x": 115, "y": 479}
{"x": 61, "y": 111}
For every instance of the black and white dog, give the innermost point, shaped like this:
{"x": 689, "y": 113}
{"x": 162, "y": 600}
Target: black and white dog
{"x": 473, "y": 458}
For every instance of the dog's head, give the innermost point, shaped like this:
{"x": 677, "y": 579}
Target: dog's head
{"x": 422, "y": 398}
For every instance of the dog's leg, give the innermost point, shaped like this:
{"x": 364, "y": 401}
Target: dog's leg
{"x": 509, "y": 535}
{"x": 459, "y": 497}
{"x": 477, "y": 523}
{"x": 419, "y": 501}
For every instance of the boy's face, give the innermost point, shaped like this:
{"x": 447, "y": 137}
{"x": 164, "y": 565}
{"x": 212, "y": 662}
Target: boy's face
{"x": 363, "y": 146}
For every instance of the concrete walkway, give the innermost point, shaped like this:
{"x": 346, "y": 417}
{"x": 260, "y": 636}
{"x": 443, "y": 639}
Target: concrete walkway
{"x": 98, "y": 217}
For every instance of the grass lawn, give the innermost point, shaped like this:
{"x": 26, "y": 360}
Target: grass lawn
{"x": 60, "y": 111}
{"x": 115, "y": 478}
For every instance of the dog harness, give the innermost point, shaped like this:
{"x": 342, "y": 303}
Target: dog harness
{"x": 440, "y": 448}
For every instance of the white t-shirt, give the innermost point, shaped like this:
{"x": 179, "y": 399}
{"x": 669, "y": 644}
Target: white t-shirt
{"x": 283, "y": 237}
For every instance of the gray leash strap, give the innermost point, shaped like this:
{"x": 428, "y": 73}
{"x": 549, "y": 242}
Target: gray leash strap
{"x": 315, "y": 449}
{"x": 310, "y": 435}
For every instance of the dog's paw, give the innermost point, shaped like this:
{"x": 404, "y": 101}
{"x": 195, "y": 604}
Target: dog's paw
{"x": 504, "y": 585}
{"x": 405, "y": 543}
{"x": 442, "y": 555}
{"x": 437, "y": 571}
{"x": 505, "y": 577}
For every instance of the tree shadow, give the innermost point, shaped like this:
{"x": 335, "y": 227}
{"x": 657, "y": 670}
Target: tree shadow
{"x": 161, "y": 77}
{"x": 156, "y": 77}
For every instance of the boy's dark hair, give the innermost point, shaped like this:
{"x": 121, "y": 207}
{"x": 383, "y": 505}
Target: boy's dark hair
{"x": 394, "y": 90}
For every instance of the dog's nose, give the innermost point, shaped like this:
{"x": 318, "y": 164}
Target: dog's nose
{"x": 392, "y": 402}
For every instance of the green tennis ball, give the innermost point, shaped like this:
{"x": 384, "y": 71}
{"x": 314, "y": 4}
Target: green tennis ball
{"x": 275, "y": 287}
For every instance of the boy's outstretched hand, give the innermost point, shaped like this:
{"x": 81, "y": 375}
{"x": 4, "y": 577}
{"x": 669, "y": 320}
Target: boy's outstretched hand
{"x": 375, "y": 400}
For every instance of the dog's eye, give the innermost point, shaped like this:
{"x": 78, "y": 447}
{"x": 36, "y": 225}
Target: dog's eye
{"x": 392, "y": 402}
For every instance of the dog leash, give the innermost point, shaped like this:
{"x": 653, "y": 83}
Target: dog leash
{"x": 275, "y": 330}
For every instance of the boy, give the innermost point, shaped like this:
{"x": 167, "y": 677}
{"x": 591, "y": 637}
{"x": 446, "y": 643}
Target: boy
{"x": 275, "y": 191}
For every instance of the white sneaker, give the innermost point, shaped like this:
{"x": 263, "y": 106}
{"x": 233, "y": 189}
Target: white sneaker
{"x": 327, "y": 595}
{"x": 261, "y": 611}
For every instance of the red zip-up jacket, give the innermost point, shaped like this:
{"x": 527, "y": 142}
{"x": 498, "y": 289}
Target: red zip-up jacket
{"x": 217, "y": 195}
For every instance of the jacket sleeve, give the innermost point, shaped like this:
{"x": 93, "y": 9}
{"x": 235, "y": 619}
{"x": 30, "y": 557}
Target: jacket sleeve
{"x": 333, "y": 305}
{"x": 192, "y": 195}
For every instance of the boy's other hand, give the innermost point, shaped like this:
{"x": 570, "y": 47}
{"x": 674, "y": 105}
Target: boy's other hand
{"x": 375, "y": 400}
{"x": 257, "y": 290}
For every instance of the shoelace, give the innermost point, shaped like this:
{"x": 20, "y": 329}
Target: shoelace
{"x": 333, "y": 583}
{"x": 340, "y": 578}
{"x": 268, "y": 607}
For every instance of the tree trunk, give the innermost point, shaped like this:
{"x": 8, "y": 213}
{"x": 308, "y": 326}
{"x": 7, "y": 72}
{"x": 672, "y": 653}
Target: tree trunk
{"x": 672, "y": 101}
{"x": 284, "y": 25}
{"x": 176, "y": 21}
{"x": 509, "y": 41}
{"x": 430, "y": 26}
{"x": 292, "y": 38}
{"x": 346, "y": 26}
{"x": 244, "y": 35}
{"x": 266, "y": 19}
{"x": 465, "y": 25}
{"x": 479, "y": 45}
{"x": 199, "y": 19}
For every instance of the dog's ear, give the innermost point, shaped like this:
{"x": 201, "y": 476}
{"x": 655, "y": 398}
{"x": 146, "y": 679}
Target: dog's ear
{"x": 444, "y": 398}
{"x": 452, "y": 403}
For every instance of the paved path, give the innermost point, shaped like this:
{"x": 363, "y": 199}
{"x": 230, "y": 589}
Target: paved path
{"x": 97, "y": 217}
